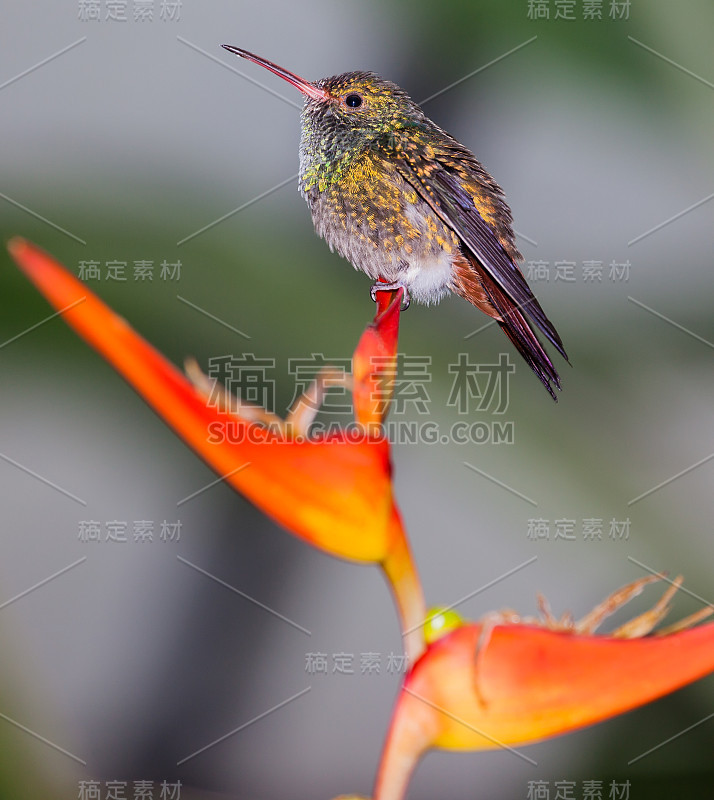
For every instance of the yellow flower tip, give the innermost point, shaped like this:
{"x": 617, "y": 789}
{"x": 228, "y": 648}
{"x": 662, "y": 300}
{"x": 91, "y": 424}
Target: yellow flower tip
{"x": 440, "y": 621}
{"x": 15, "y": 245}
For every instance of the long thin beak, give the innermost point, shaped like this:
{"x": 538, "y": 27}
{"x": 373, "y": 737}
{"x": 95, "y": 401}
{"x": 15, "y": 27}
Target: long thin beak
{"x": 299, "y": 83}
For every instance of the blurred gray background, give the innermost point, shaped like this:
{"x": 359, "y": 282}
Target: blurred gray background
{"x": 134, "y": 135}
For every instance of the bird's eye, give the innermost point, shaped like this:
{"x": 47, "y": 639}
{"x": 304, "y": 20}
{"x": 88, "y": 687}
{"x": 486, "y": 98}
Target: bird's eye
{"x": 353, "y": 100}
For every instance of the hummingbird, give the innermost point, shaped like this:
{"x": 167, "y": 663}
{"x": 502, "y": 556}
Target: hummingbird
{"x": 410, "y": 206}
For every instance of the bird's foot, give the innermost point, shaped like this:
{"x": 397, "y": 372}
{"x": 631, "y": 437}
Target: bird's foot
{"x": 379, "y": 286}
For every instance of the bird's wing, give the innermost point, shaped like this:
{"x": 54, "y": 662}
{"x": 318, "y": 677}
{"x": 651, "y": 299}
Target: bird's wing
{"x": 465, "y": 198}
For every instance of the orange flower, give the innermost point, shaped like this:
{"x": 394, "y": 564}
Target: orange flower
{"x": 334, "y": 492}
{"x": 500, "y": 682}
{"x": 486, "y": 685}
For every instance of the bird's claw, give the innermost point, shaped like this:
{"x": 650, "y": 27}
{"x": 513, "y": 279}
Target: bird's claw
{"x": 391, "y": 287}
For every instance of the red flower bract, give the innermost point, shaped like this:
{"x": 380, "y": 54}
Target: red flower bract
{"x": 334, "y": 493}
{"x": 527, "y": 684}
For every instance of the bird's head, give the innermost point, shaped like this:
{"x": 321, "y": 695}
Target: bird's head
{"x": 355, "y": 103}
